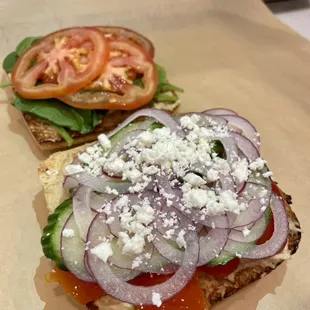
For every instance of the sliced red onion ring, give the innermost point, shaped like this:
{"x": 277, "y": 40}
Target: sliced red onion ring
{"x": 257, "y": 191}
{"x": 231, "y": 149}
{"x": 211, "y": 245}
{"x": 279, "y": 237}
{"x": 246, "y": 146}
{"x": 248, "y": 129}
{"x": 165, "y": 249}
{"x": 219, "y": 112}
{"x": 101, "y": 184}
{"x": 98, "y": 201}
{"x": 238, "y": 248}
{"x": 83, "y": 214}
{"x": 251, "y": 214}
{"x": 256, "y": 231}
{"x": 72, "y": 251}
{"x": 161, "y": 116}
{"x": 227, "y": 182}
{"x": 137, "y": 295}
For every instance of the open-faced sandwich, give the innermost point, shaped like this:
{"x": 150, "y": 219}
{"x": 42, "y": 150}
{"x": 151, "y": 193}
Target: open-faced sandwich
{"x": 165, "y": 212}
{"x": 76, "y": 83}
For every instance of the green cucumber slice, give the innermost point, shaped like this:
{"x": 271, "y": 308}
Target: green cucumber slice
{"x": 73, "y": 250}
{"x": 51, "y": 237}
{"x": 222, "y": 259}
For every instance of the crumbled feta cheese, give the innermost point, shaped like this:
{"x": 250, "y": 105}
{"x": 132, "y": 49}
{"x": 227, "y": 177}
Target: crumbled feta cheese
{"x": 134, "y": 245}
{"x": 145, "y": 215}
{"x": 263, "y": 208}
{"x": 71, "y": 169}
{"x": 267, "y": 174}
{"x": 115, "y": 166}
{"x": 246, "y": 231}
{"x": 241, "y": 170}
{"x": 212, "y": 175}
{"x": 150, "y": 170}
{"x": 156, "y": 299}
{"x": 180, "y": 239}
{"x": 146, "y": 138}
{"x": 169, "y": 233}
{"x": 103, "y": 251}
{"x": 104, "y": 141}
{"x": 68, "y": 233}
{"x": 257, "y": 164}
{"x": 137, "y": 262}
{"x": 133, "y": 175}
{"x": 196, "y": 198}
{"x": 48, "y": 172}
{"x": 84, "y": 158}
{"x": 194, "y": 179}
{"x": 122, "y": 202}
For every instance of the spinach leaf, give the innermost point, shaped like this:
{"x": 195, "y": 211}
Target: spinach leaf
{"x": 169, "y": 87}
{"x": 52, "y": 110}
{"x": 25, "y": 44}
{"x": 64, "y": 133}
{"x": 9, "y": 62}
{"x": 138, "y": 82}
{"x": 166, "y": 97}
{"x": 96, "y": 118}
{"x": 162, "y": 74}
{"x": 87, "y": 116}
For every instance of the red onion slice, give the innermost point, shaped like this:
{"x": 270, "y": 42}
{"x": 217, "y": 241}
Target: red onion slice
{"x": 137, "y": 295}
{"x": 165, "y": 249}
{"x": 231, "y": 149}
{"x": 161, "y": 116}
{"x": 219, "y": 112}
{"x": 248, "y": 129}
{"x": 83, "y": 214}
{"x": 211, "y": 245}
{"x": 279, "y": 237}
{"x": 101, "y": 184}
{"x": 227, "y": 183}
{"x": 97, "y": 202}
{"x": 246, "y": 146}
{"x": 256, "y": 231}
{"x": 251, "y": 214}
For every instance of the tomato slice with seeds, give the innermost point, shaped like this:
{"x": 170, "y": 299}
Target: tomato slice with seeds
{"x": 61, "y": 63}
{"x": 121, "y": 33}
{"x": 116, "y": 82}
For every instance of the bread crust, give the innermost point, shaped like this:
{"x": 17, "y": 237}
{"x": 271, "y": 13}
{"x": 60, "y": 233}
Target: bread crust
{"x": 215, "y": 289}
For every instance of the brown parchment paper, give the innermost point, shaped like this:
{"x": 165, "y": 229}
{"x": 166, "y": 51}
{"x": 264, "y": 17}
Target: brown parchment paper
{"x": 231, "y": 54}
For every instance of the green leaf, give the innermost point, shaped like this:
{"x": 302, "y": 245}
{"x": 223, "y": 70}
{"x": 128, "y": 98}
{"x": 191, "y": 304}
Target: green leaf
{"x": 96, "y": 119}
{"x": 162, "y": 74}
{"x": 138, "y": 82}
{"x": 9, "y": 62}
{"x": 25, "y": 44}
{"x": 169, "y": 87}
{"x": 64, "y": 133}
{"x": 87, "y": 116}
{"x": 166, "y": 97}
{"x": 6, "y": 84}
{"x": 52, "y": 110}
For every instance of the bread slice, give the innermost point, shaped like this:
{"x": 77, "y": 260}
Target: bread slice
{"x": 51, "y": 174}
{"x": 47, "y": 137}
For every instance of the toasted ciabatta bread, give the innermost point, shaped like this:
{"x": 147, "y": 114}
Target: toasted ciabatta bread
{"x": 48, "y": 139}
{"x": 51, "y": 173}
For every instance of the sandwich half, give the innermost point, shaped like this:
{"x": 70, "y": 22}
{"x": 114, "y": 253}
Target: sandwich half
{"x": 78, "y": 82}
{"x": 213, "y": 215}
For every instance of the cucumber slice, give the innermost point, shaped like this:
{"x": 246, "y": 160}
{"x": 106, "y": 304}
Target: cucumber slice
{"x": 222, "y": 259}
{"x": 73, "y": 250}
{"x": 51, "y": 237}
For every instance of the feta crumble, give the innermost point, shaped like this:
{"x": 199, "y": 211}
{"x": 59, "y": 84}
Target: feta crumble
{"x": 156, "y": 299}
{"x": 103, "y": 251}
{"x": 68, "y": 233}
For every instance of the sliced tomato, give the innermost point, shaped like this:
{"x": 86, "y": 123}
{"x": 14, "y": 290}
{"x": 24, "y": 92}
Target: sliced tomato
{"x": 190, "y": 298}
{"x": 61, "y": 63}
{"x": 221, "y": 271}
{"x": 83, "y": 292}
{"x": 127, "y": 34}
{"x": 118, "y": 91}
